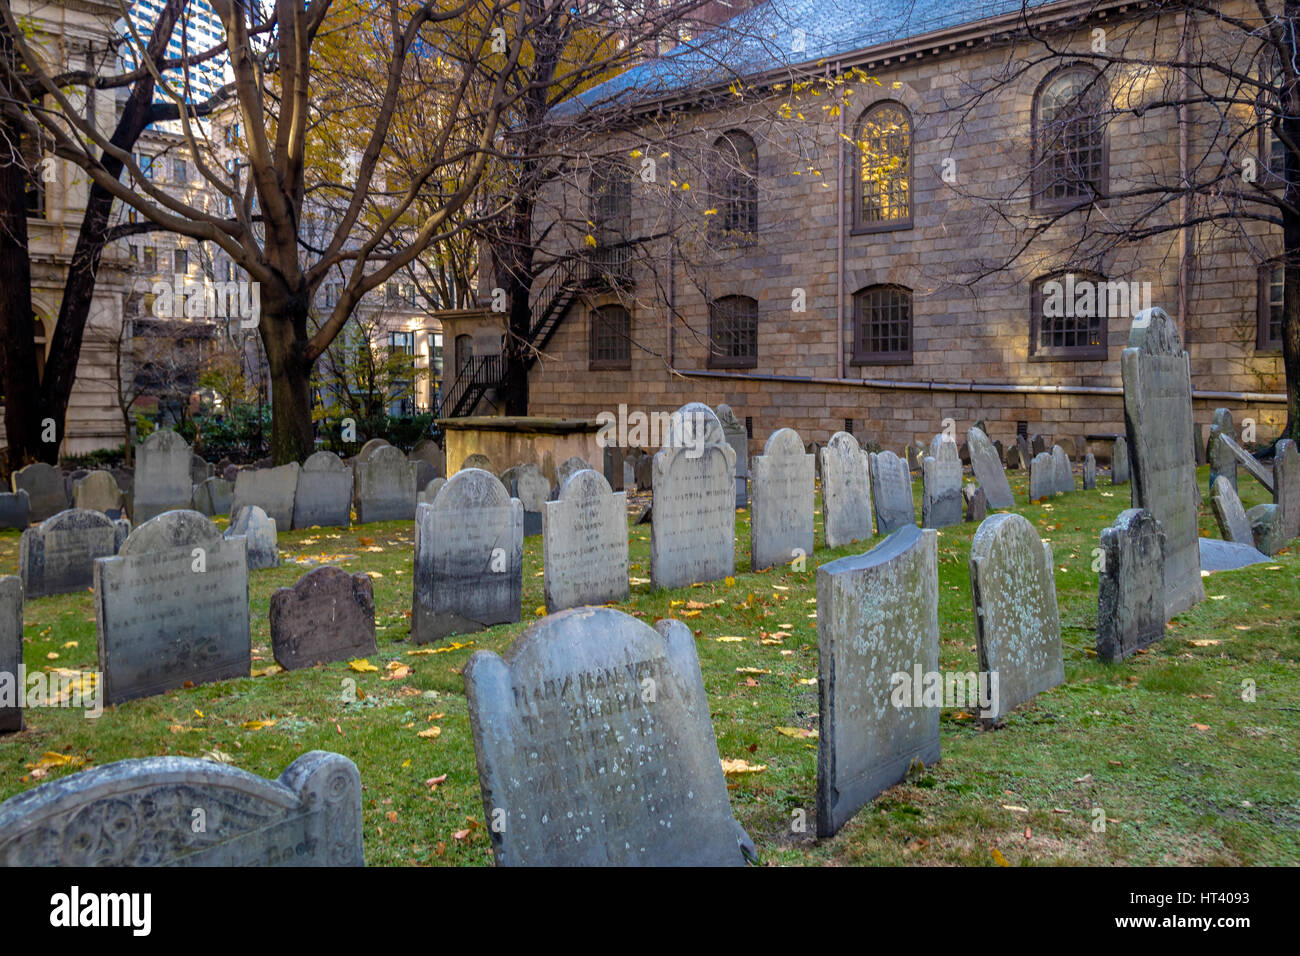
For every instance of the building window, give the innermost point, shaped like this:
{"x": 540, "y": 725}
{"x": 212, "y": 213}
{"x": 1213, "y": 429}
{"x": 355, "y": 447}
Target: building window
{"x": 882, "y": 325}
{"x": 150, "y": 259}
{"x": 611, "y": 216}
{"x": 403, "y": 342}
{"x": 883, "y": 186}
{"x": 1070, "y": 153}
{"x": 435, "y": 355}
{"x": 733, "y": 332}
{"x": 611, "y": 338}
{"x": 179, "y": 171}
{"x": 1269, "y": 331}
{"x": 733, "y": 188}
{"x": 180, "y": 262}
{"x": 1068, "y": 316}
{"x": 464, "y": 351}
{"x": 145, "y": 162}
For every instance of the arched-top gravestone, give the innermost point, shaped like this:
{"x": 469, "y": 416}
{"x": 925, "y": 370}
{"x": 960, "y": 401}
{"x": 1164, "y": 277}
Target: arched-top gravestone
{"x": 142, "y": 813}
{"x": 46, "y": 493}
{"x": 564, "y": 471}
{"x": 58, "y": 555}
{"x": 162, "y": 476}
{"x": 426, "y": 449}
{"x": 584, "y": 543}
{"x": 846, "y": 491}
{"x": 781, "y": 513}
{"x": 1119, "y": 469}
{"x": 1042, "y": 477}
{"x": 173, "y": 529}
{"x": 1286, "y": 487}
{"x": 370, "y": 447}
{"x": 595, "y": 747}
{"x": 987, "y": 466}
{"x": 271, "y": 489}
{"x": 260, "y": 534}
{"x": 430, "y": 492}
{"x": 98, "y": 491}
{"x": 214, "y": 496}
{"x": 891, "y": 490}
{"x": 1131, "y": 592}
{"x": 15, "y": 509}
{"x": 1158, "y": 419}
{"x": 477, "y": 460}
{"x": 324, "y": 493}
{"x": 1062, "y": 470}
{"x": 385, "y": 486}
{"x": 941, "y": 474}
{"x": 327, "y": 615}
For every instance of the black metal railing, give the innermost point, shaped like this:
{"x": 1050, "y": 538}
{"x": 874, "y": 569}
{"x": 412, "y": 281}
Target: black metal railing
{"x": 476, "y": 376}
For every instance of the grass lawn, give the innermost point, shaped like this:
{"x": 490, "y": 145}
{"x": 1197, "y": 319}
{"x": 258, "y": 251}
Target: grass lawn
{"x": 1184, "y": 770}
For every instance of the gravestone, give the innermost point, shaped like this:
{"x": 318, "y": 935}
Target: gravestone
{"x": 1038, "y": 444}
{"x": 781, "y": 513}
{"x": 1286, "y": 487}
{"x": 1042, "y": 477}
{"x": 1158, "y": 419}
{"x": 98, "y": 491}
{"x": 1089, "y": 472}
{"x": 144, "y": 813}
{"x": 645, "y": 473}
{"x": 533, "y": 491}
{"x": 1119, "y": 470}
{"x": 13, "y": 691}
{"x": 1229, "y": 514}
{"x": 1257, "y": 470}
{"x": 469, "y": 558}
{"x": 584, "y": 543}
{"x": 430, "y": 492}
{"x": 1017, "y": 621}
{"x": 1219, "y": 555}
{"x": 162, "y": 476}
{"x": 629, "y": 476}
{"x": 370, "y": 447}
{"x": 481, "y": 462}
{"x": 734, "y": 431}
{"x": 200, "y": 470}
{"x": 46, "y": 493}
{"x": 1026, "y": 453}
{"x": 271, "y": 489}
{"x": 891, "y": 492}
{"x": 1198, "y": 444}
{"x": 323, "y": 495}
{"x": 693, "y": 534}
{"x": 846, "y": 491}
{"x": 987, "y": 466}
{"x": 1131, "y": 594}
{"x": 231, "y": 474}
{"x": 1013, "y": 459}
{"x": 998, "y": 450}
{"x": 258, "y": 530}
{"x": 58, "y": 555}
{"x": 1063, "y": 470}
{"x": 595, "y": 746}
{"x": 941, "y": 484}
{"x": 15, "y": 509}
{"x": 426, "y": 449}
{"x": 977, "y": 506}
{"x": 567, "y": 469}
{"x": 70, "y": 478}
{"x": 385, "y": 487}
{"x": 878, "y": 616}
{"x": 424, "y": 472}
{"x": 1222, "y": 460}
{"x": 214, "y": 497}
{"x": 328, "y": 615}
{"x": 1266, "y": 528}
{"x": 172, "y": 608}
{"x": 914, "y": 454}
{"x": 612, "y": 466}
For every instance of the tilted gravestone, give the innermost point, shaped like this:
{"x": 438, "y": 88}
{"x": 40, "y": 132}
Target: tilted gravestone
{"x": 259, "y": 531}
{"x": 1158, "y": 419}
{"x": 977, "y": 506}
{"x": 612, "y": 466}
{"x": 595, "y": 747}
{"x": 1222, "y": 460}
{"x": 1062, "y": 470}
{"x": 469, "y": 558}
{"x": 1244, "y": 458}
{"x": 1017, "y": 620}
{"x": 328, "y": 615}
{"x": 430, "y": 492}
{"x": 46, "y": 493}
{"x": 162, "y": 476}
{"x": 98, "y": 491}
{"x": 15, "y": 509}
{"x": 214, "y": 496}
{"x": 172, "y": 608}
{"x": 385, "y": 487}
{"x": 1013, "y": 458}
{"x": 13, "y": 689}
{"x": 878, "y": 616}
{"x": 781, "y": 512}
{"x": 941, "y": 498}
{"x": 1119, "y": 470}
{"x": 1286, "y": 487}
{"x": 987, "y": 466}
{"x": 58, "y": 555}
{"x": 1026, "y": 453}
{"x": 1131, "y": 592}
{"x": 324, "y": 492}
{"x": 1042, "y": 477}
{"x": 145, "y": 813}
{"x": 891, "y": 491}
{"x": 1229, "y": 514}
{"x": 1089, "y": 472}
{"x": 846, "y": 491}
{"x": 734, "y": 431}
{"x": 271, "y": 489}
{"x": 693, "y": 534}
{"x": 584, "y": 543}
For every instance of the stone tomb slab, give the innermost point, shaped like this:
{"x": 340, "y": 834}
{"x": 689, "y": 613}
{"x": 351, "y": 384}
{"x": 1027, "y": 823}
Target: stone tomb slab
{"x": 987, "y": 466}
{"x": 324, "y": 493}
{"x": 846, "y": 491}
{"x": 891, "y": 490}
{"x": 781, "y": 510}
{"x": 328, "y": 615}
{"x": 1131, "y": 593}
{"x": 584, "y": 543}
{"x": 58, "y": 555}
{"x": 595, "y": 747}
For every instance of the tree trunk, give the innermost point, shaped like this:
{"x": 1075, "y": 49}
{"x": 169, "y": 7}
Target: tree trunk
{"x": 284, "y": 335}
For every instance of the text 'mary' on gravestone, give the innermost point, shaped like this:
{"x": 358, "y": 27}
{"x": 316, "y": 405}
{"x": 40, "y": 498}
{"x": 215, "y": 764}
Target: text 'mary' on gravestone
{"x": 469, "y": 558}
{"x": 271, "y": 489}
{"x": 1131, "y": 595}
{"x": 1017, "y": 621}
{"x": 11, "y": 654}
{"x": 46, "y": 493}
{"x": 171, "y": 608}
{"x": 1158, "y": 419}
{"x": 324, "y": 493}
{"x": 941, "y": 498}
{"x": 58, "y": 555}
{"x": 987, "y": 466}
{"x": 385, "y": 488}
{"x": 878, "y": 616}
{"x": 144, "y": 813}
{"x": 162, "y": 476}
{"x": 595, "y": 747}
{"x": 584, "y": 543}
{"x": 692, "y": 537}
{"x": 891, "y": 489}
{"x": 328, "y": 615}
{"x": 846, "y": 491}
{"x": 781, "y": 513}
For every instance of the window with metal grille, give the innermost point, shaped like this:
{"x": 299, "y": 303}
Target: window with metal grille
{"x": 1067, "y": 320}
{"x": 882, "y": 325}
{"x": 1070, "y": 162}
{"x": 733, "y": 188}
{"x": 611, "y": 216}
{"x": 883, "y": 185}
{"x": 180, "y": 261}
{"x": 611, "y": 337}
{"x": 1271, "y": 285}
{"x": 733, "y": 332}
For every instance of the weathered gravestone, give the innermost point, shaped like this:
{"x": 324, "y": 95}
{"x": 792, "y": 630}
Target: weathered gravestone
{"x": 385, "y": 488}
{"x": 891, "y": 490}
{"x": 977, "y": 506}
{"x": 46, "y": 493}
{"x": 1131, "y": 592}
{"x": 987, "y": 466}
{"x": 424, "y": 472}
{"x": 1119, "y": 470}
{"x": 1039, "y": 444}
{"x": 612, "y": 466}
{"x": 172, "y": 608}
{"x": 1017, "y": 621}
{"x": 1013, "y": 459}
{"x": 645, "y": 473}
{"x": 328, "y": 615}
{"x": 15, "y": 509}
{"x": 1026, "y": 453}
{"x": 878, "y": 617}
{"x": 1256, "y": 469}
{"x": 271, "y": 489}
{"x": 58, "y": 555}
{"x": 914, "y": 455}
{"x": 259, "y": 531}
{"x": 693, "y": 534}
{"x": 1286, "y": 487}
{"x": 941, "y": 484}
{"x": 533, "y": 491}
{"x": 1229, "y": 514}
{"x": 781, "y": 513}
{"x": 1158, "y": 419}
{"x": 595, "y": 747}
{"x": 734, "y": 431}
{"x": 426, "y": 449}
{"x": 1222, "y": 460}
{"x": 1062, "y": 471}
{"x": 584, "y": 543}
{"x": 1089, "y": 472}
{"x": 469, "y": 558}
{"x": 846, "y": 491}
{"x": 13, "y": 689}
{"x": 1042, "y": 477}
{"x": 481, "y": 462}
{"x": 98, "y": 491}
{"x": 324, "y": 492}
{"x": 144, "y": 813}
{"x": 430, "y": 492}
{"x": 370, "y": 447}
{"x": 231, "y": 474}
{"x": 213, "y": 496}
{"x": 567, "y": 469}
{"x": 162, "y": 476}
